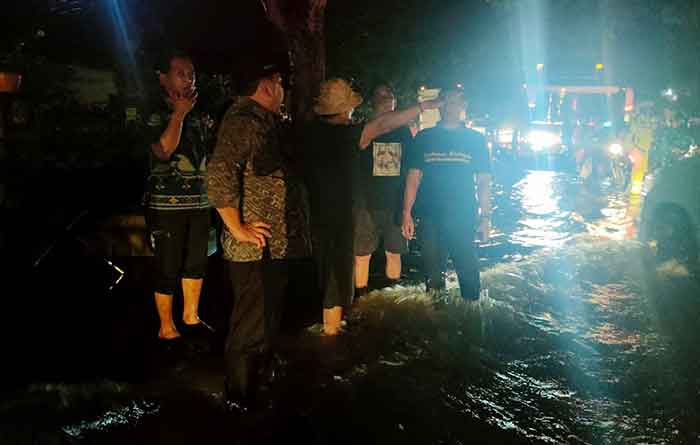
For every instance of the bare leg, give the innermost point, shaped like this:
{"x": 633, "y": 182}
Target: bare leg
{"x": 393, "y": 265}
{"x": 332, "y": 319}
{"x": 191, "y": 290}
{"x": 164, "y": 305}
{"x": 362, "y": 271}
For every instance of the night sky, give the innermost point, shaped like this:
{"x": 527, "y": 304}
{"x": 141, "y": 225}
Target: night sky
{"x": 86, "y": 32}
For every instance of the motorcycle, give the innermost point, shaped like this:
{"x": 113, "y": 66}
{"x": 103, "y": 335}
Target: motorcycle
{"x": 620, "y": 165}
{"x": 606, "y": 161}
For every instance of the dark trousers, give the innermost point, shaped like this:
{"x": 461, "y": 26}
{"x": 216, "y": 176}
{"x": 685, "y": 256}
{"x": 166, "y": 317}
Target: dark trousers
{"x": 335, "y": 264}
{"x": 259, "y": 288}
{"x": 443, "y": 236}
{"x": 181, "y": 240}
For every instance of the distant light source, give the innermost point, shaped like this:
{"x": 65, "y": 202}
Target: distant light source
{"x": 540, "y": 139}
{"x": 615, "y": 149}
{"x": 531, "y": 105}
{"x": 505, "y": 136}
{"x": 670, "y": 94}
{"x": 540, "y": 66}
{"x": 599, "y": 67}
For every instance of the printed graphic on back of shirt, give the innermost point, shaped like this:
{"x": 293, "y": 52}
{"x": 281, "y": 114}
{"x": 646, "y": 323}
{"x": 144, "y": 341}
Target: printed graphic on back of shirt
{"x": 449, "y": 157}
{"x": 387, "y": 159}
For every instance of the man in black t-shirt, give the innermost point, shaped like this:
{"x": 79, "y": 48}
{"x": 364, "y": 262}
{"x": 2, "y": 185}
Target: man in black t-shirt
{"x": 377, "y": 198}
{"x": 331, "y": 148}
{"x": 445, "y": 163}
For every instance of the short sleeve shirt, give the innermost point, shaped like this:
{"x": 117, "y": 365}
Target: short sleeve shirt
{"x": 331, "y": 152}
{"x": 179, "y": 183}
{"x": 449, "y": 160}
{"x": 380, "y": 170}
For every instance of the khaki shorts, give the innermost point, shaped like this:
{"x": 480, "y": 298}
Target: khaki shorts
{"x": 374, "y": 225}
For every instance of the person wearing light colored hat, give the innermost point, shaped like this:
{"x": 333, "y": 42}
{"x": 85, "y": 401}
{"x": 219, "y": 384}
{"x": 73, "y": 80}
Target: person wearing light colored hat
{"x": 332, "y": 144}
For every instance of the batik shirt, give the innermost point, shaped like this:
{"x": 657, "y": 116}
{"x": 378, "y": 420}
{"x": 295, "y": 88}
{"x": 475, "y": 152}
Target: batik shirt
{"x": 252, "y": 171}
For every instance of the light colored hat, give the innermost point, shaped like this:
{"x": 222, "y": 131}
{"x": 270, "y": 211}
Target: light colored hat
{"x": 336, "y": 97}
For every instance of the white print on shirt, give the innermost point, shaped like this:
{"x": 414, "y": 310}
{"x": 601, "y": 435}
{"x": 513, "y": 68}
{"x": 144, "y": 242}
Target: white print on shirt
{"x": 387, "y": 159}
{"x": 453, "y": 156}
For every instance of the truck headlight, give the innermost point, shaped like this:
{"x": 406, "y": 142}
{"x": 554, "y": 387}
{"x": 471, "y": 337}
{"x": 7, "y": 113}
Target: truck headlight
{"x": 505, "y": 136}
{"x": 543, "y": 139}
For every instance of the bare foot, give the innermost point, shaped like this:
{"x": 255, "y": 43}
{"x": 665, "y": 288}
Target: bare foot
{"x": 168, "y": 334}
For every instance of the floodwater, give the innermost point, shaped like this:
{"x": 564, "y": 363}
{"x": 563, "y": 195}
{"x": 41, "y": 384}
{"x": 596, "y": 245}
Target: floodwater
{"x": 582, "y": 339}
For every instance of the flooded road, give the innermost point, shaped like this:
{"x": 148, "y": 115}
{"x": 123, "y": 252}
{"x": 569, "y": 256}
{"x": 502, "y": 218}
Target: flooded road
{"x": 581, "y": 340}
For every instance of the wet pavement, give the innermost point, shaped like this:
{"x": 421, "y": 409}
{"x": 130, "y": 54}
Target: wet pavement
{"x": 582, "y": 339}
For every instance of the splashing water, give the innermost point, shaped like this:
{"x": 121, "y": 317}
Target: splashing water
{"x": 578, "y": 341}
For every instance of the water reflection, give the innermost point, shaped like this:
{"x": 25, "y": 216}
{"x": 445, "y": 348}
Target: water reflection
{"x": 568, "y": 347}
{"x": 532, "y": 213}
{"x": 131, "y": 414}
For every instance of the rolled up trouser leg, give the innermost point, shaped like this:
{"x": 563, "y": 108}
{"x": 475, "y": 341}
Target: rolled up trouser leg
{"x": 169, "y": 232}
{"x": 197, "y": 243}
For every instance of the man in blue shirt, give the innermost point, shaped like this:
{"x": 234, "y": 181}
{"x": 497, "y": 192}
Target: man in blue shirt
{"x": 447, "y": 162}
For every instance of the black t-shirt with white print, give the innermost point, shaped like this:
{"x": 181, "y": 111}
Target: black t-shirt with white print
{"x": 379, "y": 171}
{"x": 449, "y": 159}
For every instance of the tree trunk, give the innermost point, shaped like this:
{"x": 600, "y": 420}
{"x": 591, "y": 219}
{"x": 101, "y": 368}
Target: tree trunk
{"x": 302, "y": 23}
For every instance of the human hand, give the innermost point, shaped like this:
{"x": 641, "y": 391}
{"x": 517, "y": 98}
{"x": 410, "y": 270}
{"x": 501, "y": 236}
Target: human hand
{"x": 183, "y": 103}
{"x": 408, "y": 227}
{"x": 253, "y": 233}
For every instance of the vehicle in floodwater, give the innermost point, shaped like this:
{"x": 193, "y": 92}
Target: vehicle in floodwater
{"x": 670, "y": 219}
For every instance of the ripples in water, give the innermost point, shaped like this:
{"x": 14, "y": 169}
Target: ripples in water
{"x": 579, "y": 341}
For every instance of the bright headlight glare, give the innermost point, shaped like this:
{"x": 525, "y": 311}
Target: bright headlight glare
{"x": 505, "y": 136}
{"x": 615, "y": 149}
{"x": 543, "y": 139}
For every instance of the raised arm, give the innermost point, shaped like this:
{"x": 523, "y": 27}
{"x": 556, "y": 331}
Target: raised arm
{"x": 395, "y": 119}
{"x": 170, "y": 138}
